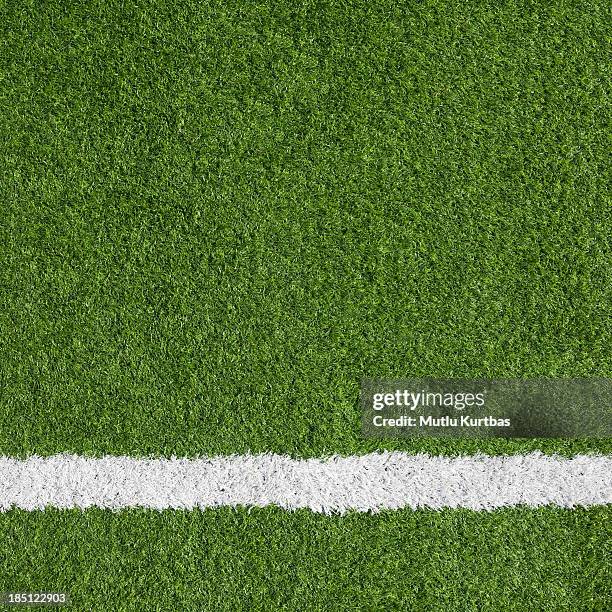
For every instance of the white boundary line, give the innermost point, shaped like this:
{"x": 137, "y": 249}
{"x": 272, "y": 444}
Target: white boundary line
{"x": 386, "y": 480}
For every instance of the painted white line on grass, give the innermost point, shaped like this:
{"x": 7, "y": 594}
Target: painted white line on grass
{"x": 374, "y": 482}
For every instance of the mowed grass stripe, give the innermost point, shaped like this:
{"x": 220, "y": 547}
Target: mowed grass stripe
{"x": 335, "y": 484}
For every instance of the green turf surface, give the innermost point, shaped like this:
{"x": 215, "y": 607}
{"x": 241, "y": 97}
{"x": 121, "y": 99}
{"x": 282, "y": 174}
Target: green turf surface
{"x": 544, "y": 560}
{"x": 216, "y": 218}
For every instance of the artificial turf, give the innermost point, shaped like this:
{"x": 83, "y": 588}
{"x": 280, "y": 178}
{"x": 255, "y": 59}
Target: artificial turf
{"x": 269, "y": 559}
{"x": 216, "y": 218}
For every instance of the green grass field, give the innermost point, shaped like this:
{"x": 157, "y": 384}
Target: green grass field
{"x": 269, "y": 559}
{"x": 216, "y": 218}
